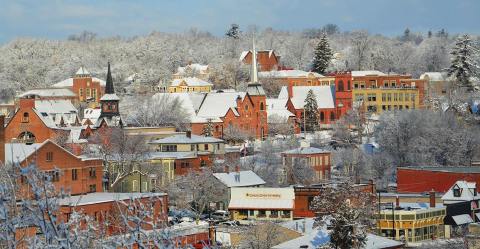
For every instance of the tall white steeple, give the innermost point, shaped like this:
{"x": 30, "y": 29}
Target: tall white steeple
{"x": 254, "y": 72}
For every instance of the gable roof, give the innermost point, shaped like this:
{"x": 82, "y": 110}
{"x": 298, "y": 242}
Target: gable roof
{"x": 247, "y": 178}
{"x": 69, "y": 82}
{"x": 82, "y": 71}
{"x": 324, "y": 95}
{"x": 216, "y": 105}
{"x": 468, "y": 192}
{"x": 48, "y": 92}
{"x": 191, "y": 81}
{"x": 245, "y": 53}
{"x": 51, "y": 112}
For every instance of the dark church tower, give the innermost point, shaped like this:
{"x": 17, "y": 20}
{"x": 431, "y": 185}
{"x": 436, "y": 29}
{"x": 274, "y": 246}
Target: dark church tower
{"x": 109, "y": 101}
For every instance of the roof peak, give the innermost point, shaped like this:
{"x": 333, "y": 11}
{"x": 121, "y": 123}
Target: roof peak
{"x": 82, "y": 72}
{"x": 109, "y": 85}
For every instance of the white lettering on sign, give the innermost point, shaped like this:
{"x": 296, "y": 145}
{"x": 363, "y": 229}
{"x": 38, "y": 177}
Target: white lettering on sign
{"x": 277, "y": 196}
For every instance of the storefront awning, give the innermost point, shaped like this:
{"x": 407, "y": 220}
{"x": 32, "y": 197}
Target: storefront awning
{"x": 462, "y": 219}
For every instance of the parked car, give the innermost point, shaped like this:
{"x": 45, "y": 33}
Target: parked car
{"x": 232, "y": 223}
{"x": 220, "y": 215}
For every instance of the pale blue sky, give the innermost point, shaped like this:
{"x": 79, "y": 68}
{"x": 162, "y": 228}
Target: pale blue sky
{"x": 57, "y": 19}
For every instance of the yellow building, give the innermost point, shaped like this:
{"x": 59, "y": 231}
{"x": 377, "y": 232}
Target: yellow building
{"x": 189, "y": 84}
{"x": 413, "y": 223}
{"x": 378, "y": 100}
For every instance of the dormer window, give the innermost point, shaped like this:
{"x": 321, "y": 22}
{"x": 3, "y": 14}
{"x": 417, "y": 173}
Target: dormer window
{"x": 456, "y": 191}
{"x": 25, "y": 118}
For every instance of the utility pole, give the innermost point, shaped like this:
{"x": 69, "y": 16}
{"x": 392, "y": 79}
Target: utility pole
{"x": 304, "y": 123}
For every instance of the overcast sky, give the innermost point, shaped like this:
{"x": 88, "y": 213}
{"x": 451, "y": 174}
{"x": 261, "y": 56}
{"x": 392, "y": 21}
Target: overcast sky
{"x": 57, "y": 19}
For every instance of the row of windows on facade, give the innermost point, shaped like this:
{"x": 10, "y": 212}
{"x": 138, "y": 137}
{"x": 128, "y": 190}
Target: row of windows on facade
{"x": 322, "y": 116}
{"x": 54, "y": 175}
{"x": 321, "y": 83}
{"x": 263, "y": 213}
{"x": 386, "y": 97}
{"x": 89, "y": 93}
{"x": 373, "y": 108}
{"x": 373, "y": 84}
{"x": 193, "y": 147}
{"x": 312, "y": 160}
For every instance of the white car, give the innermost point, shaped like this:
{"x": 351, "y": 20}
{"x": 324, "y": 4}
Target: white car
{"x": 220, "y": 215}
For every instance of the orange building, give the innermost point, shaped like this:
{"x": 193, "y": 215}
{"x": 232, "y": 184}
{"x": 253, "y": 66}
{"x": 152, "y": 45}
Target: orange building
{"x": 317, "y": 159}
{"x": 74, "y": 174}
{"x": 267, "y": 59}
{"x": 38, "y": 120}
{"x": 87, "y": 88}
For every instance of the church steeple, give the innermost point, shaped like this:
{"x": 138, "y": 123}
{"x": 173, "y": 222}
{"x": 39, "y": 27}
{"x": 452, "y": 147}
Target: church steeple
{"x": 109, "y": 85}
{"x": 254, "y": 72}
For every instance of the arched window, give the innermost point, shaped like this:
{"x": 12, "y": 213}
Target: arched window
{"x": 25, "y": 118}
{"x": 27, "y": 137}
{"x": 340, "y": 86}
{"x": 261, "y": 106}
{"x": 322, "y": 117}
{"x": 332, "y": 116}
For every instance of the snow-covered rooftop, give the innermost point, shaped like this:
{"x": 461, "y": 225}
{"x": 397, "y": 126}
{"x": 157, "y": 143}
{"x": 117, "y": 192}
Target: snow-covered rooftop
{"x": 367, "y": 73}
{"x": 69, "y": 82}
{"x": 194, "y": 67}
{"x": 246, "y": 178}
{"x": 17, "y": 152}
{"x": 53, "y": 112}
{"x": 433, "y": 76}
{"x": 183, "y": 139}
{"x": 82, "y": 71}
{"x": 324, "y": 95}
{"x": 101, "y": 197}
{"x": 467, "y": 190}
{"x": 305, "y": 151}
{"x": 217, "y": 104}
{"x": 261, "y": 198}
{"x": 110, "y": 96}
{"x": 277, "y": 107}
{"x": 288, "y": 73}
{"x": 48, "y": 92}
{"x": 190, "y": 81}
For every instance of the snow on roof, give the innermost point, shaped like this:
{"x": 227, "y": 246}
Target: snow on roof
{"x": 69, "y": 82}
{"x": 255, "y": 89}
{"x": 323, "y": 94}
{"x": 172, "y": 155}
{"x": 55, "y": 106}
{"x": 468, "y": 192}
{"x": 191, "y": 81}
{"x": 247, "y": 178}
{"x": 196, "y": 67}
{"x": 283, "y": 93}
{"x": 462, "y": 219}
{"x": 288, "y": 73}
{"x": 82, "y": 71}
{"x": 48, "y": 92}
{"x": 314, "y": 239}
{"x": 183, "y": 139}
{"x": 305, "y": 151}
{"x": 110, "y": 96}
{"x": 17, "y": 152}
{"x": 365, "y": 73}
{"x": 101, "y": 197}
{"x": 217, "y": 104}
{"x": 433, "y": 76}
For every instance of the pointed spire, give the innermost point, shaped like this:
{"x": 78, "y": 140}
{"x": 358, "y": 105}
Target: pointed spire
{"x": 254, "y": 73}
{"x": 109, "y": 86}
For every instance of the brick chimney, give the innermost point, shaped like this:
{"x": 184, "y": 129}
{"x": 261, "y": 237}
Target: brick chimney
{"x": 27, "y": 103}
{"x": 2, "y": 139}
{"x": 432, "y": 198}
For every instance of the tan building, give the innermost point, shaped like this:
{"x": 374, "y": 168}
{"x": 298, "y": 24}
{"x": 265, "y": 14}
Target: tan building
{"x": 190, "y": 84}
{"x": 262, "y": 203}
{"x": 378, "y": 100}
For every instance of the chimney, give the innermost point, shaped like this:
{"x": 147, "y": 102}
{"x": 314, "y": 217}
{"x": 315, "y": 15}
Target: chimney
{"x": 28, "y": 103}
{"x": 397, "y": 202}
{"x": 432, "y": 198}
{"x": 226, "y": 169}
{"x": 2, "y": 139}
{"x": 189, "y": 134}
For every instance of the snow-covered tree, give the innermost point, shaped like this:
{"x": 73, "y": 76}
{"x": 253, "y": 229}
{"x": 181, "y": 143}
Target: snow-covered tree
{"x": 323, "y": 55}
{"x": 208, "y": 129}
{"x": 463, "y": 63}
{"x": 233, "y": 32}
{"x": 311, "y": 112}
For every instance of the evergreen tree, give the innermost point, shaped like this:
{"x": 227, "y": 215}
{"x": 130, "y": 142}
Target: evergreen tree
{"x": 311, "y": 112}
{"x": 463, "y": 65}
{"x": 323, "y": 55}
{"x": 233, "y": 32}
{"x": 208, "y": 129}
{"x": 347, "y": 232}
{"x": 429, "y": 34}
{"x": 406, "y": 35}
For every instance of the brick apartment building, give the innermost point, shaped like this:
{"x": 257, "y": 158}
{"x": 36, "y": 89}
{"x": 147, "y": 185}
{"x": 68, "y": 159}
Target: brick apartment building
{"x": 316, "y": 158}
{"x": 87, "y": 88}
{"x": 268, "y": 60}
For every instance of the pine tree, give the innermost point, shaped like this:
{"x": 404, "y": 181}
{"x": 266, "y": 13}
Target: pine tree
{"x": 311, "y": 112}
{"x": 323, "y": 55}
{"x": 429, "y": 34}
{"x": 208, "y": 129}
{"x": 234, "y": 31}
{"x": 463, "y": 65}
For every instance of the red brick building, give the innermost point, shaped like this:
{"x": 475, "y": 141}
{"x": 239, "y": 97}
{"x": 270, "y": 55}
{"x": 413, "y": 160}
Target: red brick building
{"x": 267, "y": 59}
{"x": 38, "y": 120}
{"x": 423, "y": 179}
{"x": 343, "y": 93}
{"x": 316, "y": 158}
{"x": 87, "y": 88}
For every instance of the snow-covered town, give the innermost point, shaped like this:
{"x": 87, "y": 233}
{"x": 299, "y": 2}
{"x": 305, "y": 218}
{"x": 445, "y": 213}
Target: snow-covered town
{"x": 240, "y": 124}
